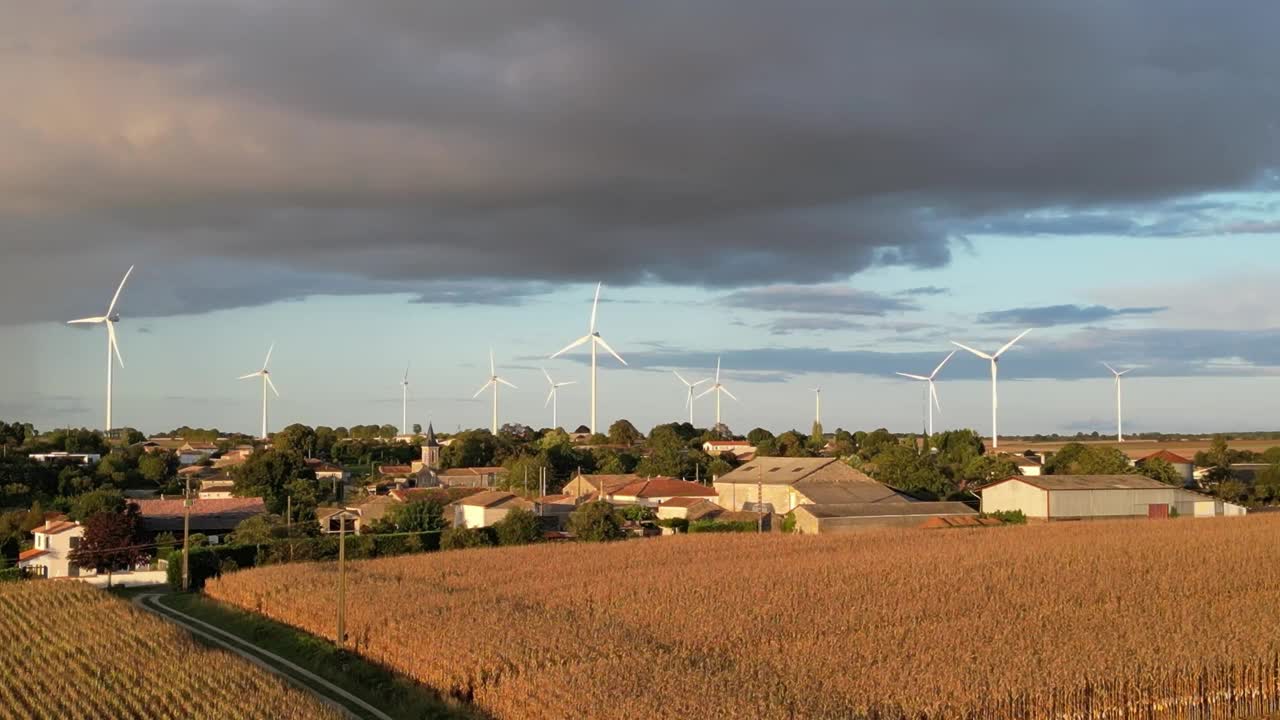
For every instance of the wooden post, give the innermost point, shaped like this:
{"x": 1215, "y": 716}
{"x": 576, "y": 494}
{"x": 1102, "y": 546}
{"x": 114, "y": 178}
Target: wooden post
{"x": 342, "y": 578}
{"x": 186, "y": 535}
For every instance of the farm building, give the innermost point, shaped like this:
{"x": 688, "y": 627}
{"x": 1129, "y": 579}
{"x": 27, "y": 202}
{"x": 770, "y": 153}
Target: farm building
{"x": 483, "y": 509}
{"x": 1186, "y": 468}
{"x": 651, "y": 492}
{"x": 781, "y": 484}
{"x": 822, "y": 519}
{"x": 1084, "y": 497}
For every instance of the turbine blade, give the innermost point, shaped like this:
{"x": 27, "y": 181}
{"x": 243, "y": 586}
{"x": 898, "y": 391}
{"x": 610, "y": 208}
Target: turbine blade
{"x": 571, "y": 346}
{"x": 504, "y": 382}
{"x": 717, "y": 369}
{"x": 686, "y": 382}
{"x": 725, "y": 390}
{"x": 116, "y": 297}
{"x": 86, "y": 321}
{"x": 979, "y": 353}
{"x": 942, "y": 364}
{"x": 270, "y": 350}
{"x": 701, "y": 381}
{"x": 273, "y": 385}
{"x": 1108, "y": 366}
{"x": 688, "y": 398}
{"x": 406, "y": 373}
{"x": 569, "y": 382}
{"x": 595, "y": 303}
{"x": 1126, "y": 372}
{"x": 708, "y": 391}
{"x": 115, "y": 345}
{"x": 250, "y": 375}
{"x": 482, "y": 389}
{"x": 549, "y": 396}
{"x": 933, "y": 390}
{"x": 493, "y": 370}
{"x": 605, "y": 345}
{"x": 1013, "y": 342}
{"x": 548, "y": 376}
{"x": 913, "y": 377}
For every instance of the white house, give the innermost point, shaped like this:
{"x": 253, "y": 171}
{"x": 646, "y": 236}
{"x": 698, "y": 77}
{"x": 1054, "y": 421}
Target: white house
{"x": 78, "y": 458}
{"x": 741, "y": 449}
{"x": 486, "y": 508}
{"x": 54, "y": 542}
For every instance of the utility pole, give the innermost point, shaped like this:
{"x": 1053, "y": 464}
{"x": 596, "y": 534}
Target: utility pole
{"x": 186, "y": 535}
{"x": 288, "y": 524}
{"x": 342, "y": 579}
{"x": 760, "y": 499}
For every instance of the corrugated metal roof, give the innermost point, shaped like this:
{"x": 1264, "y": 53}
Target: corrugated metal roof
{"x": 871, "y": 510}
{"x": 1089, "y": 482}
{"x": 789, "y": 471}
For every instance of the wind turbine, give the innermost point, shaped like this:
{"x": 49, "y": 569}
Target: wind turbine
{"x": 553, "y": 397}
{"x": 109, "y": 319}
{"x": 931, "y": 391}
{"x": 995, "y": 373}
{"x": 494, "y": 381}
{"x": 817, "y": 405}
{"x": 688, "y": 398}
{"x": 592, "y": 336}
{"x": 265, "y": 374}
{"x": 718, "y": 389}
{"x": 1119, "y": 401}
{"x": 404, "y": 402}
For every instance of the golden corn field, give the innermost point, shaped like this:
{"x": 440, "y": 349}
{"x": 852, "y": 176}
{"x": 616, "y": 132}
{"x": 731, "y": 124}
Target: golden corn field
{"x": 1135, "y": 619}
{"x": 70, "y": 651}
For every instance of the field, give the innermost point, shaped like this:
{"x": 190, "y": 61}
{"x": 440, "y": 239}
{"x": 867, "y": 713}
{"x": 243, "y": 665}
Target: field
{"x": 71, "y": 651}
{"x": 1172, "y": 619}
{"x": 1137, "y": 448}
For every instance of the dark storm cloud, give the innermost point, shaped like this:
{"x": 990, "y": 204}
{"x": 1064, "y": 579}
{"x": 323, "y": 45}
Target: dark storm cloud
{"x": 817, "y": 299}
{"x": 1051, "y": 315}
{"x": 1154, "y": 352}
{"x": 725, "y": 143}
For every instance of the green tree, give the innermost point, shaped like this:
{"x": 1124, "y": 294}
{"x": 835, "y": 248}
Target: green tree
{"x": 622, "y": 432}
{"x": 89, "y": 504}
{"x": 271, "y": 475}
{"x": 875, "y": 442}
{"x": 759, "y": 435}
{"x": 417, "y": 428}
{"x": 817, "y": 440}
{"x": 984, "y": 469}
{"x": 1161, "y": 470}
{"x": 296, "y": 438}
{"x": 1266, "y": 485}
{"x": 596, "y": 522}
{"x": 911, "y": 471}
{"x": 460, "y": 538}
{"x": 155, "y": 467}
{"x": 415, "y": 516}
{"x": 1219, "y": 454}
{"x": 519, "y": 527}
{"x": 258, "y": 530}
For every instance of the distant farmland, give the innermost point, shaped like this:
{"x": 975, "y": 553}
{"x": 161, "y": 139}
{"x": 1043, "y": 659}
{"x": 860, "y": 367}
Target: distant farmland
{"x": 71, "y": 651}
{"x": 1135, "y": 448}
{"x": 1004, "y": 622}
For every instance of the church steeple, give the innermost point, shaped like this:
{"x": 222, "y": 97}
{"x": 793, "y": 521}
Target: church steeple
{"x": 431, "y": 450}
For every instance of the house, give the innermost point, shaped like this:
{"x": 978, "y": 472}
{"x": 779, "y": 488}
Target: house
{"x": 212, "y": 517}
{"x": 826, "y": 519}
{"x": 1027, "y": 465}
{"x": 1087, "y": 497}
{"x": 681, "y": 507}
{"x": 193, "y": 452}
{"x": 51, "y": 555}
{"x": 743, "y": 450}
{"x": 483, "y": 509}
{"x": 652, "y": 492}
{"x": 66, "y": 457}
{"x": 470, "y": 477}
{"x": 582, "y": 486}
{"x": 216, "y": 488}
{"x": 1186, "y": 468}
{"x": 327, "y": 471}
{"x": 359, "y": 517}
{"x": 780, "y": 484}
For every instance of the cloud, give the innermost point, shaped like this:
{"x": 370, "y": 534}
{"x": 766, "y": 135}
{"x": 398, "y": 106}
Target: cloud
{"x": 927, "y": 290}
{"x": 1050, "y": 315}
{"x": 366, "y": 147}
{"x": 818, "y": 299}
{"x": 788, "y": 325}
{"x": 478, "y": 292}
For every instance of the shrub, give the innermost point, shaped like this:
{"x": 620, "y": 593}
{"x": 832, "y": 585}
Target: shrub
{"x": 519, "y": 527}
{"x": 680, "y": 525}
{"x": 1008, "y": 517}
{"x": 460, "y": 538}
{"x": 596, "y": 522}
{"x": 721, "y": 526}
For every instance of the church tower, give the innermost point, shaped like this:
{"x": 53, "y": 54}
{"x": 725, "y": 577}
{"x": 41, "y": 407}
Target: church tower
{"x": 431, "y": 450}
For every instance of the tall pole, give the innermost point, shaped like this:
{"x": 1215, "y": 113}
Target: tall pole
{"x": 928, "y": 404}
{"x": 691, "y": 405}
{"x": 493, "y": 424}
{"x": 995, "y": 404}
{"x": 404, "y": 409}
{"x": 717, "y": 404}
{"x": 342, "y": 578}
{"x": 1119, "y": 412}
{"x": 109, "y": 371}
{"x": 593, "y": 385}
{"x": 555, "y": 408}
{"x": 264, "y": 406}
{"x": 817, "y": 410}
{"x": 186, "y": 535}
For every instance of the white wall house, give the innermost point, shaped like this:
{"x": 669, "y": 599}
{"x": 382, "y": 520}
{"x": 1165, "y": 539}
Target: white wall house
{"x": 79, "y": 458}
{"x": 54, "y": 542}
{"x": 486, "y": 508}
{"x": 1084, "y": 497}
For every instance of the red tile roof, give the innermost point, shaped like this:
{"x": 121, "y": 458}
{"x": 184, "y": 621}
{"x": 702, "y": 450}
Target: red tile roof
{"x": 734, "y": 443}
{"x": 494, "y": 470}
{"x": 683, "y": 502}
{"x": 664, "y": 487}
{"x": 1171, "y": 458}
{"x": 493, "y": 498}
{"x": 55, "y": 527}
{"x": 395, "y": 470}
{"x": 31, "y": 554}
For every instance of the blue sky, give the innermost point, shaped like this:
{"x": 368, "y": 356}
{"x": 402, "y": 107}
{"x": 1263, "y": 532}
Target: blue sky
{"x": 367, "y": 185}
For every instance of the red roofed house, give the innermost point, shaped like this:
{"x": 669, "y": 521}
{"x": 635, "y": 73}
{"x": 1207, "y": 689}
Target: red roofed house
{"x": 743, "y": 450}
{"x": 1186, "y": 468}
{"x": 652, "y": 492}
{"x": 212, "y": 517}
{"x": 470, "y": 477}
{"x": 52, "y": 552}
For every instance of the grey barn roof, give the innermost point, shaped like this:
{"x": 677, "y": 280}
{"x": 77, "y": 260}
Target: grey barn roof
{"x": 845, "y": 493}
{"x": 789, "y": 471}
{"x": 1090, "y": 482}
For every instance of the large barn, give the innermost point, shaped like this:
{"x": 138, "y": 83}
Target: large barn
{"x": 1085, "y": 497}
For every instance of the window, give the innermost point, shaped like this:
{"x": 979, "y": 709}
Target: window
{"x": 75, "y": 543}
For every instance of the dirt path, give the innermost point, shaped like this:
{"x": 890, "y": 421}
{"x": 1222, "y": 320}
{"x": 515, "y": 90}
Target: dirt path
{"x": 328, "y": 692}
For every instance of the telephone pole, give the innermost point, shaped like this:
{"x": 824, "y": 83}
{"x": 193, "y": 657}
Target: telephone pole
{"x": 342, "y": 579}
{"x": 186, "y": 535}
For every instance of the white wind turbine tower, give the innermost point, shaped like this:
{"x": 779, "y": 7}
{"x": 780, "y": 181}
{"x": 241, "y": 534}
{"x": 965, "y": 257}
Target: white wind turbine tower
{"x": 718, "y": 389}
{"x": 553, "y": 397}
{"x": 1119, "y": 401}
{"x": 995, "y": 373}
{"x": 265, "y": 374}
{"x": 931, "y": 391}
{"x": 688, "y": 398}
{"x": 594, "y": 338}
{"x": 404, "y": 402}
{"x": 109, "y": 319}
{"x": 817, "y": 405}
{"x": 494, "y": 381}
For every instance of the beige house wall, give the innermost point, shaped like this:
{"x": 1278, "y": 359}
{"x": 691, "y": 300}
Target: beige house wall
{"x": 1015, "y": 495}
{"x": 734, "y": 496}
